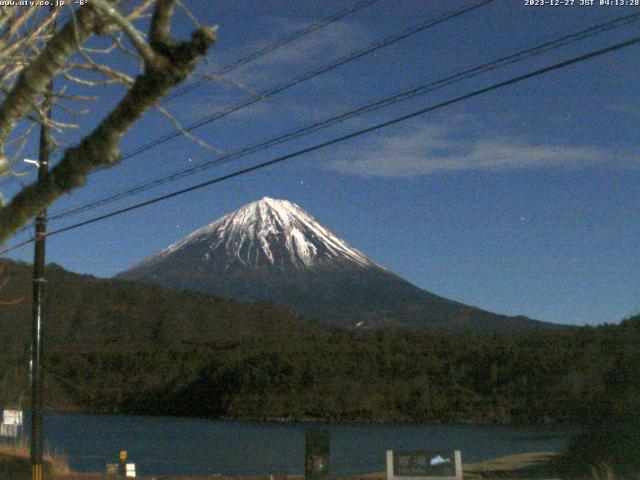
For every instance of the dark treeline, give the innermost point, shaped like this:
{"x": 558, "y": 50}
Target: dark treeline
{"x": 568, "y": 376}
{"x": 124, "y": 347}
{"x": 130, "y": 347}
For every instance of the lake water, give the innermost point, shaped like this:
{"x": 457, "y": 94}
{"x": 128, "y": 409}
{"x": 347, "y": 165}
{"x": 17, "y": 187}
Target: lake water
{"x": 173, "y": 446}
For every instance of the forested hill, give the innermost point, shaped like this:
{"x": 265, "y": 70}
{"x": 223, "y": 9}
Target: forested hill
{"x": 117, "y": 346}
{"x": 85, "y": 315}
{"x": 85, "y": 311}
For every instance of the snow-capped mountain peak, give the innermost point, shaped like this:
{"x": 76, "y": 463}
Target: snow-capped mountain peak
{"x": 272, "y": 250}
{"x": 268, "y": 232}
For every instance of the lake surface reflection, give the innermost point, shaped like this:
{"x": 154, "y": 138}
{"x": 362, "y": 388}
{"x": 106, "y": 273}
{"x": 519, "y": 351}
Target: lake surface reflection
{"x": 187, "y": 446}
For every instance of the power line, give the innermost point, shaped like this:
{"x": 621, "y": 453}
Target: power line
{"x": 270, "y": 48}
{"x": 307, "y": 76}
{"x": 382, "y": 103}
{"x": 356, "y": 7}
{"x": 353, "y": 56}
{"x": 343, "y": 138}
{"x": 360, "y": 5}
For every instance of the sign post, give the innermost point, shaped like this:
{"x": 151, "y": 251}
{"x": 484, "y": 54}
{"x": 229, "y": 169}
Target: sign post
{"x": 9, "y": 430}
{"x": 11, "y": 423}
{"x": 131, "y": 470}
{"x": 424, "y": 465}
{"x": 317, "y": 449}
{"x": 12, "y": 417}
{"x": 123, "y": 468}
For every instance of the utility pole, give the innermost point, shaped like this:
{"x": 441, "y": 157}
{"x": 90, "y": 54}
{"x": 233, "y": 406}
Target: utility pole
{"x": 38, "y": 293}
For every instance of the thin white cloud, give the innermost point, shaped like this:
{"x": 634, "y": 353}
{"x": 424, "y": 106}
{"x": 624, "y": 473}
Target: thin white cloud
{"x": 630, "y": 108}
{"x": 432, "y": 149}
{"x": 303, "y": 55}
{"x": 317, "y": 48}
{"x": 287, "y": 63}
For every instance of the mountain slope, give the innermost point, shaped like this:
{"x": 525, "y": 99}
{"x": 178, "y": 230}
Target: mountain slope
{"x": 84, "y": 310}
{"x": 123, "y": 347}
{"x": 272, "y": 250}
{"x": 109, "y": 342}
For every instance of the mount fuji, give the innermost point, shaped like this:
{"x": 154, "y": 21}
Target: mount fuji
{"x": 272, "y": 250}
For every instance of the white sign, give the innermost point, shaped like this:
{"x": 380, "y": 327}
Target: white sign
{"x": 8, "y": 430}
{"x": 131, "y": 469}
{"x": 424, "y": 465}
{"x": 12, "y": 417}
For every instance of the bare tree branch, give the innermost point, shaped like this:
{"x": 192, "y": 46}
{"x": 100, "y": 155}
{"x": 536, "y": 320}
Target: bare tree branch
{"x": 22, "y": 141}
{"x": 35, "y": 77}
{"x": 160, "y": 35}
{"x": 16, "y": 22}
{"x": 186, "y": 133}
{"x": 148, "y": 54}
{"x": 88, "y": 83}
{"x": 234, "y": 83}
{"x": 139, "y": 10}
{"x": 190, "y": 15}
{"x": 75, "y": 98}
{"x": 36, "y": 31}
{"x": 175, "y": 61}
{"x": 122, "y": 47}
{"x": 115, "y": 75}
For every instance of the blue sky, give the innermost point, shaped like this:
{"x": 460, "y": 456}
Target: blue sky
{"x": 521, "y": 201}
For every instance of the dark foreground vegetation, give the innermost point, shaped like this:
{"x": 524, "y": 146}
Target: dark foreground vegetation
{"x": 123, "y": 347}
{"x": 15, "y": 465}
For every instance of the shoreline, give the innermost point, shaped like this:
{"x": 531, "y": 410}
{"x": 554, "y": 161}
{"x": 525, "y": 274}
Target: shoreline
{"x": 526, "y": 466}
{"x": 560, "y": 423}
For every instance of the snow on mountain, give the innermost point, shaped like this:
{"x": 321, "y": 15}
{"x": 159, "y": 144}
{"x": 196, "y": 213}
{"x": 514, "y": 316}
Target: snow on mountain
{"x": 273, "y": 251}
{"x": 267, "y": 232}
